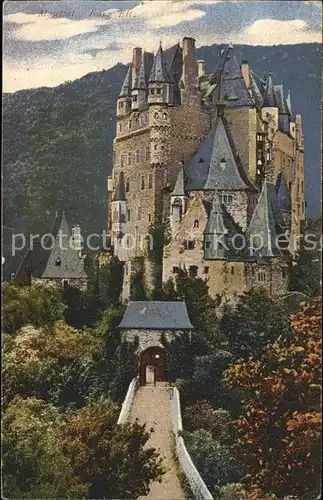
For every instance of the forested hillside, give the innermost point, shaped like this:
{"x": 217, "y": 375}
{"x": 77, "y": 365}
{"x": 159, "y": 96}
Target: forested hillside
{"x": 58, "y": 141}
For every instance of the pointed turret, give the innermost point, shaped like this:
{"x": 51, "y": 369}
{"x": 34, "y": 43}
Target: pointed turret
{"x": 120, "y": 193}
{"x": 179, "y": 188}
{"x": 159, "y": 72}
{"x": 126, "y": 86}
{"x": 178, "y": 201}
{"x": 139, "y": 89}
{"x": 118, "y": 209}
{"x": 124, "y": 98}
{"x": 266, "y": 224}
{"x": 269, "y": 96}
{"x": 215, "y": 233}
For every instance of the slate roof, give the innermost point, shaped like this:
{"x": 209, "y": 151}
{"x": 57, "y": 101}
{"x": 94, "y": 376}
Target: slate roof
{"x": 266, "y": 222}
{"x": 280, "y": 99}
{"x": 255, "y": 90}
{"x": 41, "y": 262}
{"x": 159, "y": 71}
{"x": 140, "y": 82}
{"x": 207, "y": 172}
{"x": 179, "y": 188}
{"x": 156, "y": 315}
{"x": 234, "y": 89}
{"x": 215, "y": 223}
{"x": 120, "y": 193}
{"x": 126, "y": 86}
{"x": 269, "y": 95}
{"x": 174, "y": 62}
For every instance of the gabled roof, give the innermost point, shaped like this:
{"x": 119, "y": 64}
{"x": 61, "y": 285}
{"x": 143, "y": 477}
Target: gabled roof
{"x": 41, "y": 260}
{"x": 120, "y": 193}
{"x": 269, "y": 95}
{"x": 126, "y": 86}
{"x": 234, "y": 88}
{"x": 174, "y": 62}
{"x": 266, "y": 223}
{"x": 156, "y": 315}
{"x": 179, "y": 188}
{"x": 159, "y": 71}
{"x": 216, "y": 165}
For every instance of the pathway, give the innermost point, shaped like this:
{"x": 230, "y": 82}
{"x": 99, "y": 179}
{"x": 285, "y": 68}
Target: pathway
{"x": 152, "y": 406}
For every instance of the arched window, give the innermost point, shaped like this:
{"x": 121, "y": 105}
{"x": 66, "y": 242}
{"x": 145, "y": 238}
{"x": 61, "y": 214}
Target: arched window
{"x": 165, "y": 115}
{"x": 223, "y": 163}
{"x": 156, "y": 116}
{"x": 196, "y": 224}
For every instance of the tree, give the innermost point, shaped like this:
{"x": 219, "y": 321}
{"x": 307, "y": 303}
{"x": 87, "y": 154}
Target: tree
{"x": 214, "y": 460}
{"x": 33, "y": 463}
{"x": 256, "y": 321}
{"x": 280, "y": 427}
{"x": 38, "y": 304}
{"x": 54, "y": 365}
{"x": 108, "y": 460}
{"x": 201, "y": 307}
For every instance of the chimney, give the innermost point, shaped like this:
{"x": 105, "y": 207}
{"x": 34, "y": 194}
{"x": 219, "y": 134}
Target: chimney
{"x": 136, "y": 61}
{"x": 201, "y": 68}
{"x": 190, "y": 71}
{"x": 245, "y": 73}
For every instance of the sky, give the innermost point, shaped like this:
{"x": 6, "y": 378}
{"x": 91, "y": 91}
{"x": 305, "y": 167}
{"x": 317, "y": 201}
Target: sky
{"x": 49, "y": 43}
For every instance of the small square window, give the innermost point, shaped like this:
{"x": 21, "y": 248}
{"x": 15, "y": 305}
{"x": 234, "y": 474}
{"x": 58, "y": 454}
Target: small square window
{"x": 158, "y": 91}
{"x": 208, "y": 244}
{"x": 175, "y": 270}
{"x": 193, "y": 271}
{"x": 134, "y": 98}
{"x": 190, "y": 244}
{"x": 206, "y": 270}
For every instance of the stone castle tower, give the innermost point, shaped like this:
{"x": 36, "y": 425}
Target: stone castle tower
{"x": 187, "y": 141}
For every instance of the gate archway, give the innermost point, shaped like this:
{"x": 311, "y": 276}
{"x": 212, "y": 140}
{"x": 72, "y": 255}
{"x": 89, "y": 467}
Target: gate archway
{"x": 152, "y": 360}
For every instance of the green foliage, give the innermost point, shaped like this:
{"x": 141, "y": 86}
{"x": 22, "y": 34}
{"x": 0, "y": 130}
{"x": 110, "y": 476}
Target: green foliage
{"x": 106, "y": 457}
{"x": 39, "y": 305}
{"x": 203, "y": 415}
{"x": 33, "y": 463}
{"x": 137, "y": 286}
{"x": 156, "y": 241}
{"x": 84, "y": 454}
{"x": 110, "y": 282}
{"x": 214, "y": 460}
{"x": 55, "y": 366}
{"x": 256, "y": 321}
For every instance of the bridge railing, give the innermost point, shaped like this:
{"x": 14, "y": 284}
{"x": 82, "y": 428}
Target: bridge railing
{"x": 128, "y": 400}
{"x": 197, "y": 485}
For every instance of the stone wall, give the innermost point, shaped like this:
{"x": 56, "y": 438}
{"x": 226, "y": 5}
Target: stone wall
{"x": 275, "y": 272}
{"x": 243, "y": 125}
{"x": 148, "y": 338}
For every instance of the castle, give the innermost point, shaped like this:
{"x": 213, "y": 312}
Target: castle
{"x": 219, "y": 159}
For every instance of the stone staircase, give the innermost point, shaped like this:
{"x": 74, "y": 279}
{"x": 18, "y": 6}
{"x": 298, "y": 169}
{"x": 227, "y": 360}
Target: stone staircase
{"x": 152, "y": 406}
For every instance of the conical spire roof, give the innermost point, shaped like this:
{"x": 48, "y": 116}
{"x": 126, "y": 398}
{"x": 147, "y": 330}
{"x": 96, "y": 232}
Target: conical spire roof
{"x": 280, "y": 98}
{"x": 266, "y": 223}
{"x": 126, "y": 86}
{"x": 215, "y": 224}
{"x": 140, "y": 82}
{"x": 159, "y": 71}
{"x": 179, "y": 188}
{"x": 255, "y": 91}
{"x": 120, "y": 194}
{"x": 269, "y": 96}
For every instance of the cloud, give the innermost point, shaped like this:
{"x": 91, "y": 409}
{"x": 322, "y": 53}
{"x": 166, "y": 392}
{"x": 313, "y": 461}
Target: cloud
{"x": 275, "y": 32}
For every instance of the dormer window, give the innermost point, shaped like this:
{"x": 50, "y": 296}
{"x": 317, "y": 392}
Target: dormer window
{"x": 58, "y": 262}
{"x": 201, "y": 160}
{"x": 223, "y": 163}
